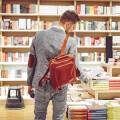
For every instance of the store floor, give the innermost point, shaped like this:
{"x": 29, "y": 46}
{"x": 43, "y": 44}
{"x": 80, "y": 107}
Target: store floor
{"x": 23, "y": 114}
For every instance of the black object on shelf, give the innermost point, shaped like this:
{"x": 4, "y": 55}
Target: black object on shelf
{"x": 109, "y": 53}
{"x": 14, "y": 98}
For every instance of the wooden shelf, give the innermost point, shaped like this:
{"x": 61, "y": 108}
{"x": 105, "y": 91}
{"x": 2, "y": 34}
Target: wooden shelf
{"x": 92, "y": 47}
{"x": 18, "y": 30}
{"x": 101, "y": 94}
{"x": 13, "y": 63}
{"x": 13, "y": 79}
{"x": 90, "y": 63}
{"x": 14, "y": 46}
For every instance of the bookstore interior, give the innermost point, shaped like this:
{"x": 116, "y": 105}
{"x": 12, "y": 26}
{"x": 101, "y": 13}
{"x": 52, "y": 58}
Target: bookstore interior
{"x": 97, "y": 37}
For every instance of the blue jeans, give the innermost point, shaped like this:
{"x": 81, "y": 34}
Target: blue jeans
{"x": 42, "y": 98}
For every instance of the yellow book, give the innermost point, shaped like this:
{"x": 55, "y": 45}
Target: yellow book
{"x": 91, "y": 10}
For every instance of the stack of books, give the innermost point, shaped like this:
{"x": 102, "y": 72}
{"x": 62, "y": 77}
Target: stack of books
{"x": 97, "y": 112}
{"x": 113, "y": 112}
{"x": 114, "y": 83}
{"x": 116, "y": 58}
{"x": 77, "y": 112}
{"x": 100, "y": 84}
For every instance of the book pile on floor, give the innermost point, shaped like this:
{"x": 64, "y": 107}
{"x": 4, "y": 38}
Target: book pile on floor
{"x": 113, "y": 112}
{"x": 97, "y": 112}
{"x": 77, "y": 112}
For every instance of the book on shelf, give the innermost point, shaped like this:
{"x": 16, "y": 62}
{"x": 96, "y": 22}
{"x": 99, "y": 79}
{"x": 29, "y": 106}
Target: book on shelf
{"x": 91, "y": 57}
{"x": 14, "y": 57}
{"x": 84, "y": 9}
{"x": 4, "y": 91}
{"x": 62, "y": 9}
{"x": 90, "y": 41}
{"x": 91, "y": 25}
{"x": 116, "y": 10}
{"x": 116, "y": 40}
{"x": 19, "y": 8}
{"x": 20, "y": 24}
{"x": 48, "y": 9}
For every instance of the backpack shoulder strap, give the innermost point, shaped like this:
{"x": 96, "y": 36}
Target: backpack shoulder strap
{"x": 64, "y": 45}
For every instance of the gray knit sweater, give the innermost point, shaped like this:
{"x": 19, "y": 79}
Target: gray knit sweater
{"x": 46, "y": 45}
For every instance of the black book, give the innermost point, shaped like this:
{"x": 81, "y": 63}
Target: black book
{"x": 24, "y": 8}
{"x": 4, "y": 8}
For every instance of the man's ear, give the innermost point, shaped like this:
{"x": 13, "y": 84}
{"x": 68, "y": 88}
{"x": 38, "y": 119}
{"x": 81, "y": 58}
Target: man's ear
{"x": 68, "y": 24}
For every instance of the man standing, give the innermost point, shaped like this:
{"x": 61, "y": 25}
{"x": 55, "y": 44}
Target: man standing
{"x": 46, "y": 45}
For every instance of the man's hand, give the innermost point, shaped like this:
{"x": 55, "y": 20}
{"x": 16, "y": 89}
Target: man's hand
{"x": 90, "y": 80}
{"x": 29, "y": 89}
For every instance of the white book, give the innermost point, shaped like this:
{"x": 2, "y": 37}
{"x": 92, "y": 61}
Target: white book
{"x": 82, "y": 25}
{"x": 113, "y": 10}
{"x": 22, "y": 24}
{"x": 48, "y": 9}
{"x": 102, "y": 57}
{"x": 101, "y": 10}
{"x": 95, "y": 53}
{"x": 28, "y": 24}
{"x": 2, "y": 40}
{"x": 116, "y": 39}
{"x": 30, "y": 40}
{"x": 18, "y": 8}
{"x": 108, "y": 11}
{"x": 22, "y": 57}
{"x": 105, "y": 10}
{"x": 62, "y": 9}
{"x": 77, "y": 26}
{"x": 82, "y": 9}
{"x": 2, "y": 91}
{"x": 117, "y": 12}
{"x": 12, "y": 73}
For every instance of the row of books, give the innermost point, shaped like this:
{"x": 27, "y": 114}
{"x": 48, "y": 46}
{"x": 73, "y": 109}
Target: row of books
{"x": 92, "y": 25}
{"x": 33, "y": 8}
{"x": 16, "y": 41}
{"x": 14, "y": 73}
{"x": 90, "y": 41}
{"x": 54, "y": 9}
{"x": 112, "y": 83}
{"x": 19, "y": 8}
{"x": 20, "y": 24}
{"x": 14, "y": 57}
{"x": 4, "y": 91}
{"x": 83, "y": 9}
{"x": 26, "y": 24}
{"x": 91, "y": 57}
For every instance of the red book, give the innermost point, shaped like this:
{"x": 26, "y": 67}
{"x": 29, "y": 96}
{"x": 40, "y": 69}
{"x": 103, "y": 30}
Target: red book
{"x": 95, "y": 9}
{"x": 92, "y": 41}
{"x": 7, "y": 8}
{"x": 6, "y": 57}
{"x": 78, "y": 9}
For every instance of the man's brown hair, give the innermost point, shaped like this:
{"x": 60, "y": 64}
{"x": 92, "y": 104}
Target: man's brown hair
{"x": 69, "y": 15}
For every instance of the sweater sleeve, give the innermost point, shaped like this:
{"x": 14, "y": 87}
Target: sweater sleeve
{"x": 73, "y": 50}
{"x": 31, "y": 64}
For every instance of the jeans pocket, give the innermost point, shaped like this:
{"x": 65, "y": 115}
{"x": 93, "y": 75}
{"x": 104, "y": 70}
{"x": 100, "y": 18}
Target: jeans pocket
{"x": 61, "y": 95}
{"x": 40, "y": 95}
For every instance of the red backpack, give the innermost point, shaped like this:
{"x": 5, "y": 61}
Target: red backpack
{"x": 62, "y": 69}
